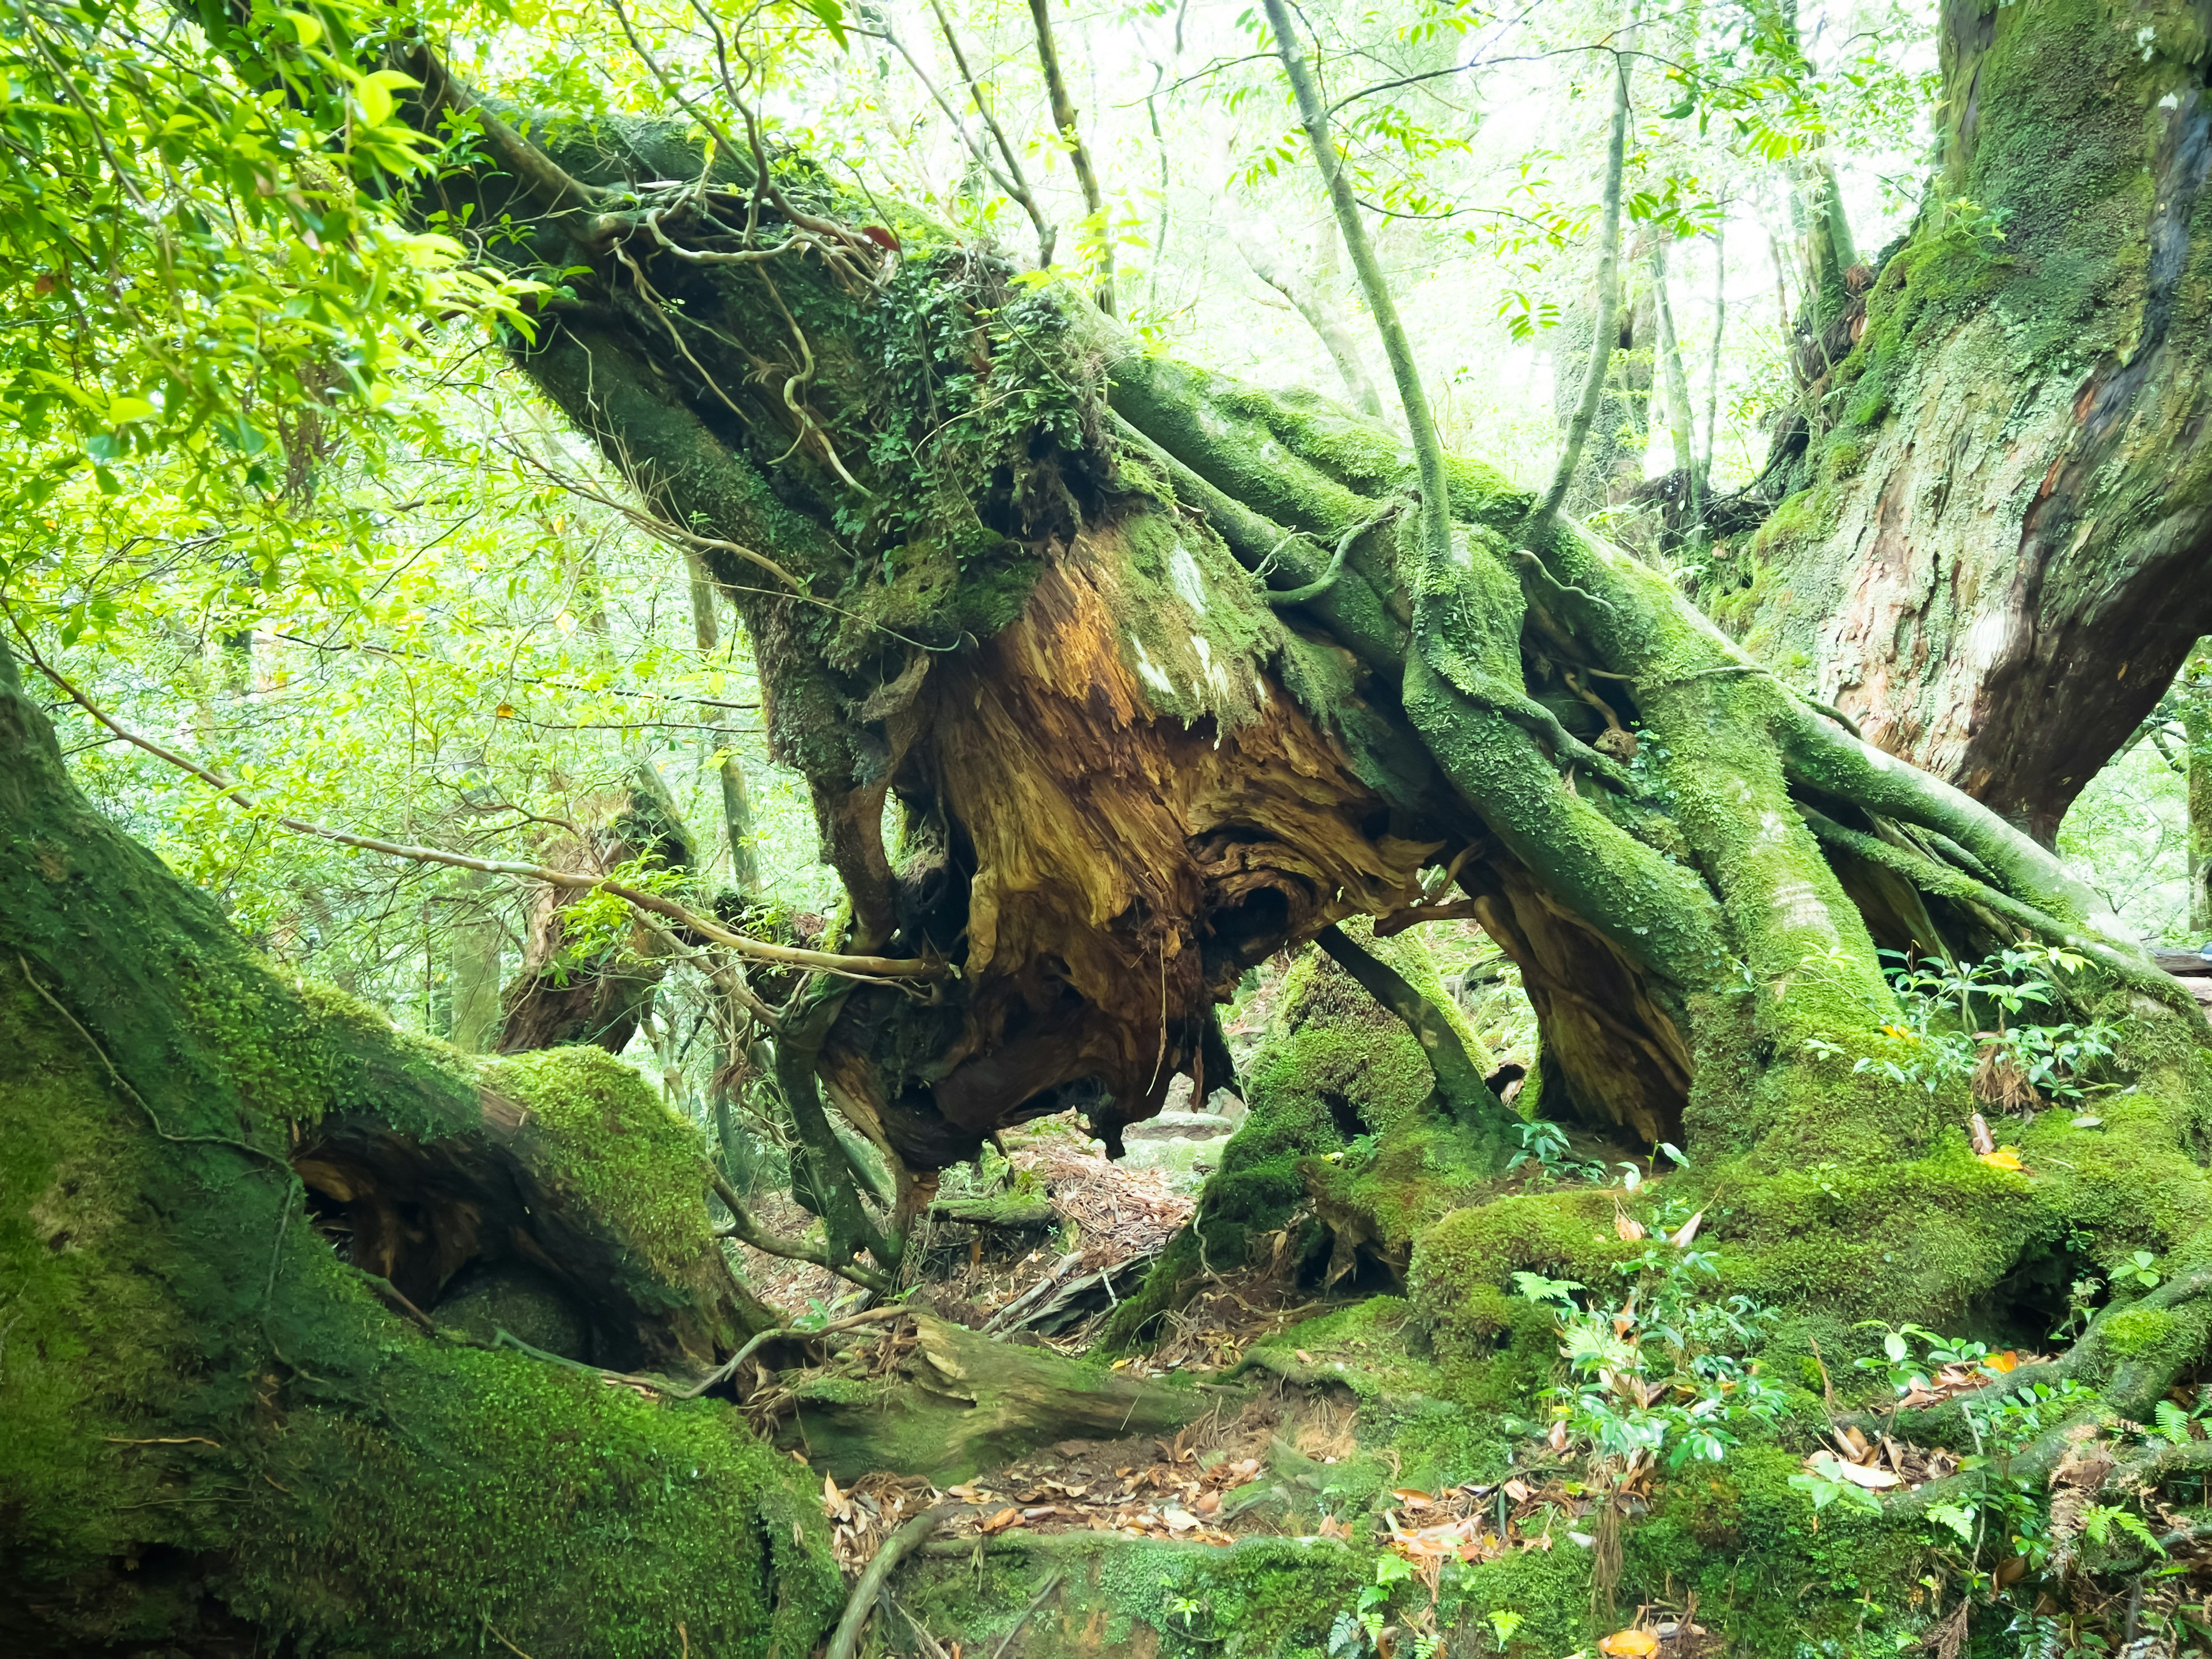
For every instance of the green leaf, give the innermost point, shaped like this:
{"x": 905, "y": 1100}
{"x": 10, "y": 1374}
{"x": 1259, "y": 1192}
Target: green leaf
{"x": 1958, "y": 1517}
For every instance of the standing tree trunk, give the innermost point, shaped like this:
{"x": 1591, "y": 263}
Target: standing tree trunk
{"x": 1997, "y": 560}
{"x": 2194, "y": 697}
{"x": 473, "y": 948}
{"x": 1262, "y": 249}
{"x": 739, "y": 829}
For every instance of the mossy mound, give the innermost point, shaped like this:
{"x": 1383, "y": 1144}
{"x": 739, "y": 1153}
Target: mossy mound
{"x": 616, "y": 1147}
{"x": 218, "y": 1439}
{"x": 1333, "y": 1068}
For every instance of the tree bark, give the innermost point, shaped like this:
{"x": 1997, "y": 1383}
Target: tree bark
{"x": 1994, "y": 558}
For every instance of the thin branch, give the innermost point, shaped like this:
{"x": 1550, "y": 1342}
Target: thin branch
{"x": 894, "y": 1549}
{"x": 1063, "y": 120}
{"x": 1602, "y": 340}
{"x": 1420, "y": 423}
{"x": 855, "y": 966}
{"x": 1017, "y": 183}
{"x": 746, "y": 1230}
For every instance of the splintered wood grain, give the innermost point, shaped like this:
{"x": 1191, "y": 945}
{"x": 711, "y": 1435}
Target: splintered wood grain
{"x": 1113, "y": 837}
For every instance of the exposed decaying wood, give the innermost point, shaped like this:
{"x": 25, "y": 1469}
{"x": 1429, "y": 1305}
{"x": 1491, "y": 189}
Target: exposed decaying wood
{"x": 1621, "y": 1060}
{"x": 1129, "y": 862}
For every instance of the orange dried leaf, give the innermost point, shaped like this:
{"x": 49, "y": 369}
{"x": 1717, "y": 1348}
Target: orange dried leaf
{"x": 1630, "y": 1644}
{"x": 2007, "y": 1361}
{"x": 1004, "y": 1519}
{"x": 1627, "y": 1226}
{"x": 1689, "y": 1231}
{"x": 2004, "y": 1157}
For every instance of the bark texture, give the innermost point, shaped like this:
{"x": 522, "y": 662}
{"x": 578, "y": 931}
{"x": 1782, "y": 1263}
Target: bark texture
{"x": 1994, "y": 556}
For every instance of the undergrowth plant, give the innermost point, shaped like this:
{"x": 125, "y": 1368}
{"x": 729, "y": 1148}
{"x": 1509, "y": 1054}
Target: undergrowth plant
{"x": 1965, "y": 1020}
{"x": 1659, "y": 1373}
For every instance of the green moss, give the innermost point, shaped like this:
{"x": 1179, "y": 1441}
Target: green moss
{"x": 2133, "y": 1332}
{"x": 1334, "y": 1064}
{"x": 616, "y": 1145}
{"x": 212, "y": 1423}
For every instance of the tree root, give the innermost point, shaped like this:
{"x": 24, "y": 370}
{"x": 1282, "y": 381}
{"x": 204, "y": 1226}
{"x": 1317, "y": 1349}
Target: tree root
{"x": 2135, "y": 1387}
{"x": 896, "y": 1548}
{"x": 1326, "y": 580}
{"x": 1459, "y": 1083}
{"x": 1931, "y": 876}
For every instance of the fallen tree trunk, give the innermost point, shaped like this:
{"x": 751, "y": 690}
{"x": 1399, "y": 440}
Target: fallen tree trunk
{"x": 252, "y": 1242}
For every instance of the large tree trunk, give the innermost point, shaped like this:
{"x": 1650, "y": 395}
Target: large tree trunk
{"x": 1994, "y": 558}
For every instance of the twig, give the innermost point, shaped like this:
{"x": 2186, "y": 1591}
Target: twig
{"x": 502, "y": 1640}
{"x": 896, "y": 1548}
{"x": 1326, "y": 580}
{"x": 276, "y": 1249}
{"x": 730, "y": 1367}
{"x": 1050, "y": 1584}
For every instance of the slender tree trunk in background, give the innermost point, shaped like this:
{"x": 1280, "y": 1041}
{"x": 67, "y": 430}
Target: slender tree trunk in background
{"x": 2196, "y": 700}
{"x": 1996, "y": 556}
{"x": 473, "y": 944}
{"x": 737, "y": 826}
{"x": 1713, "y": 369}
{"x": 1675, "y": 378}
{"x": 1160, "y": 147}
{"x": 1101, "y": 236}
{"x": 1262, "y": 250}
{"x": 1590, "y": 397}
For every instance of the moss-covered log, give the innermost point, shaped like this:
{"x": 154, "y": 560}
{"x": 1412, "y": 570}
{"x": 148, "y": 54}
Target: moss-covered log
{"x": 2002, "y": 517}
{"x": 229, "y": 1206}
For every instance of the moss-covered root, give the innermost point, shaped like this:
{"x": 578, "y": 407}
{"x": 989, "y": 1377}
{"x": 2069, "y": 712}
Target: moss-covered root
{"x": 1333, "y": 1068}
{"x": 217, "y": 1439}
{"x": 960, "y": 1401}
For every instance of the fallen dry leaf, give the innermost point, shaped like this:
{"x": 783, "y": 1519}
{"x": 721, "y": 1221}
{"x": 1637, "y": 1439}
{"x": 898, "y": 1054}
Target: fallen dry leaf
{"x": 1208, "y": 1503}
{"x": 1858, "y": 1473}
{"x": 1689, "y": 1231}
{"x": 1625, "y": 1225}
{"x": 1178, "y": 1520}
{"x": 1302, "y": 1355}
{"x": 1002, "y": 1520}
{"x": 1518, "y": 1490}
{"x": 2004, "y": 1158}
{"x": 1629, "y": 1644}
{"x": 2001, "y": 1363}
